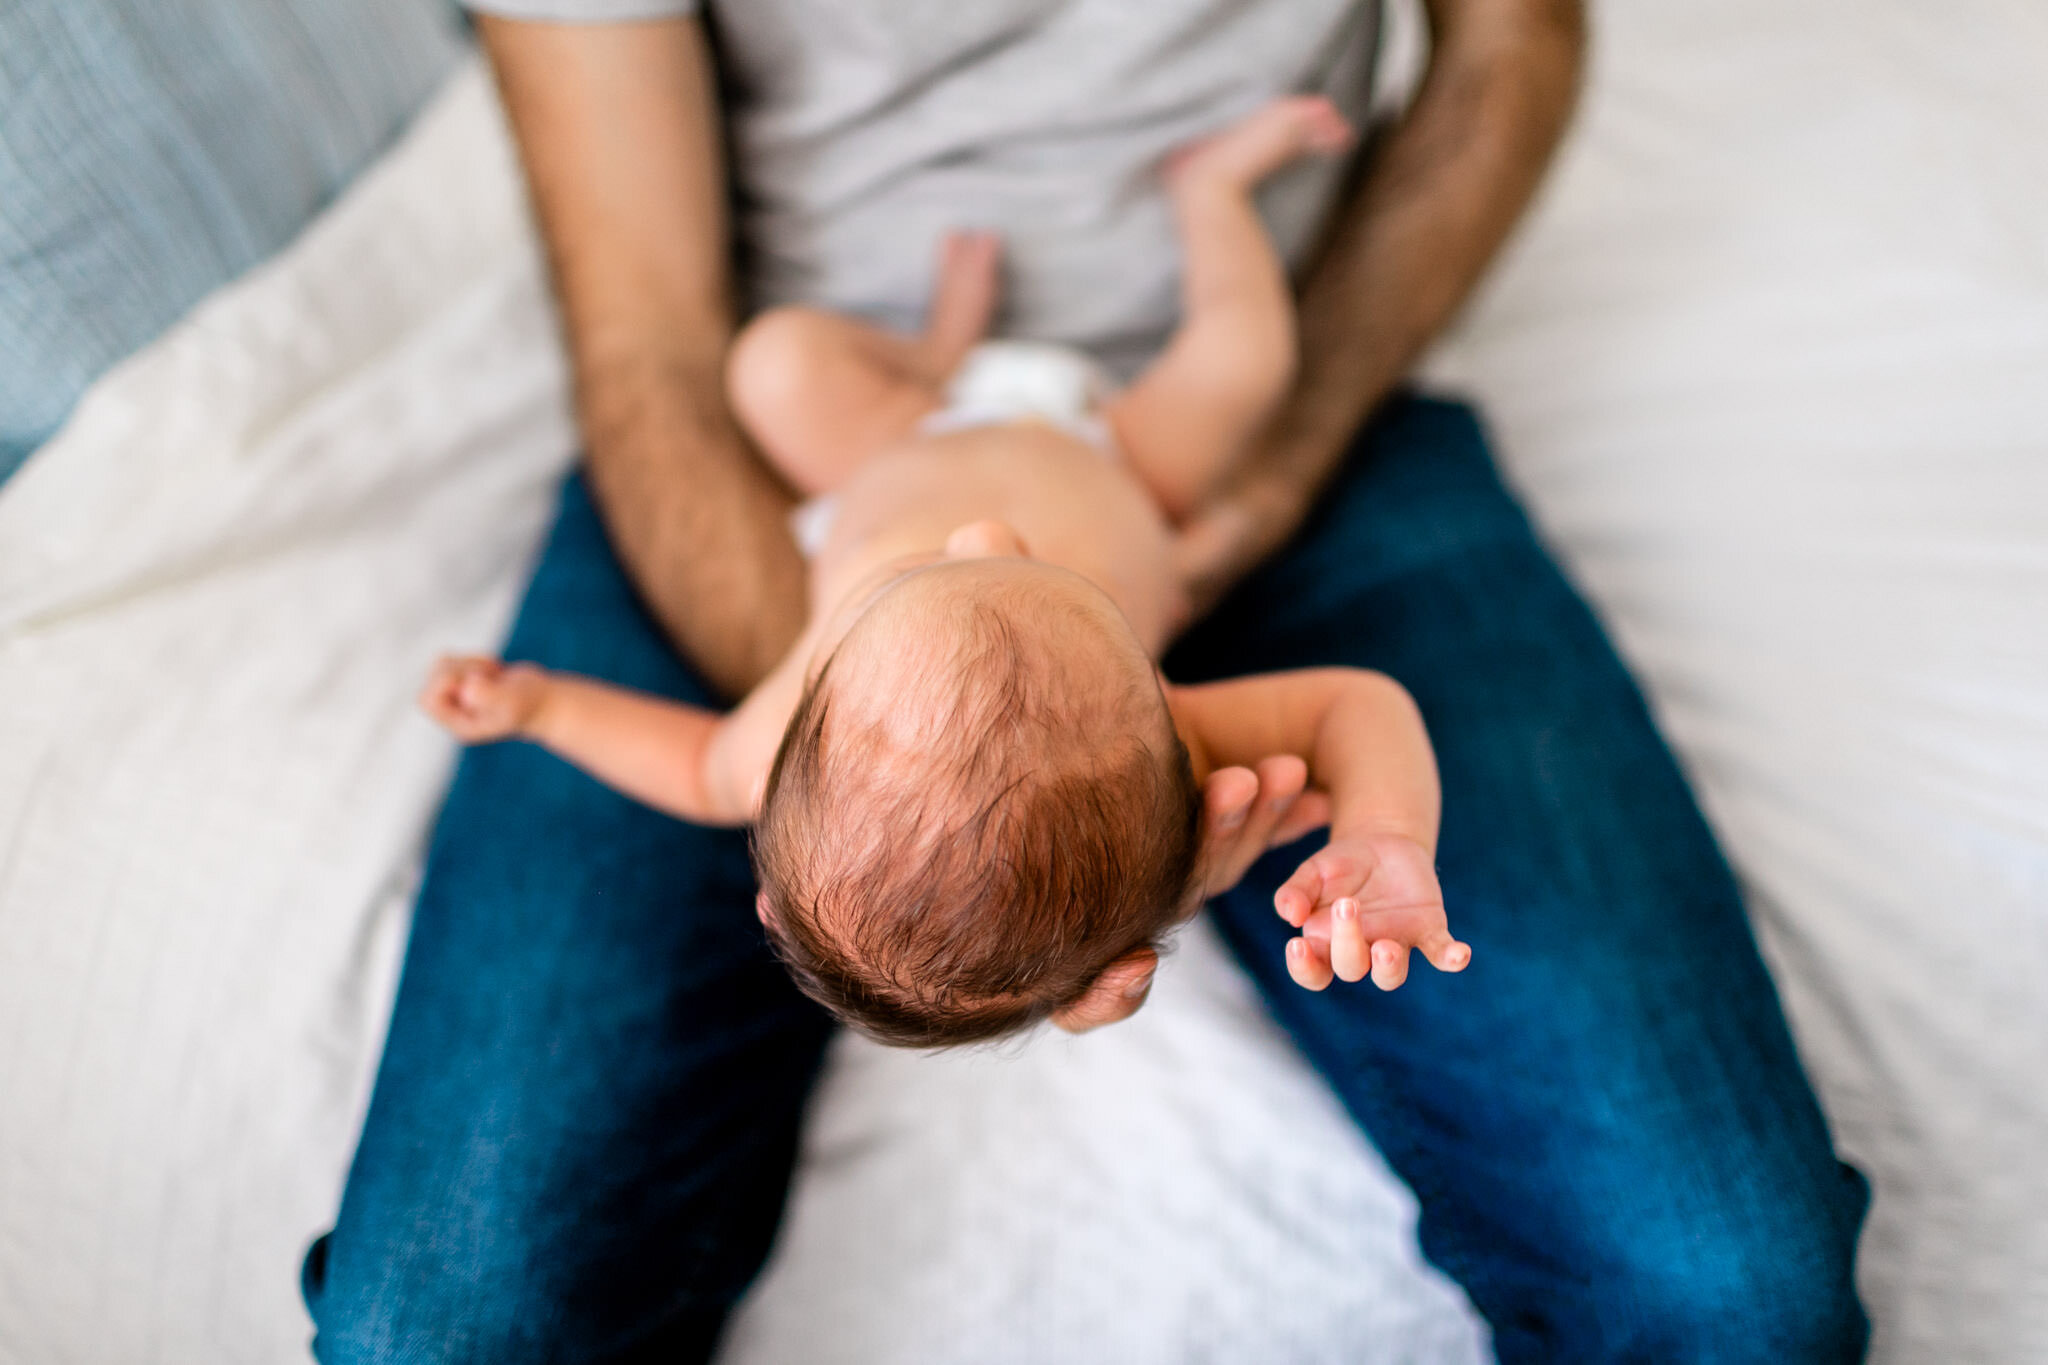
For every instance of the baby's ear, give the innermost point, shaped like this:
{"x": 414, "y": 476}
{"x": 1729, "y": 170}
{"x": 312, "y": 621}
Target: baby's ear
{"x": 1113, "y": 996}
{"x": 761, "y": 910}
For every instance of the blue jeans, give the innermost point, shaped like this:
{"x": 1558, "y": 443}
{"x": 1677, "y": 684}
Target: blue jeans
{"x": 583, "y": 1127}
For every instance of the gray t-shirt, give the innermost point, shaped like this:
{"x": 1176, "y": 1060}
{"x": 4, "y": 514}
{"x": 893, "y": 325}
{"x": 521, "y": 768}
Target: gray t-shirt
{"x": 862, "y": 130}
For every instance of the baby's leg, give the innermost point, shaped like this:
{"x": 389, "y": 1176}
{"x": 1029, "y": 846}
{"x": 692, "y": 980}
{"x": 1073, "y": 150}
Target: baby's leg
{"x": 820, "y": 392}
{"x": 1198, "y": 407}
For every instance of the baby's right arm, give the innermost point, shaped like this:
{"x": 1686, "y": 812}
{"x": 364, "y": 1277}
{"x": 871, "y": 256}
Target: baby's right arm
{"x": 684, "y": 760}
{"x": 1371, "y": 894}
{"x": 1185, "y": 422}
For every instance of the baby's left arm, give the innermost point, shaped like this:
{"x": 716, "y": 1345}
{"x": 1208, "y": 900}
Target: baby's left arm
{"x": 1371, "y": 894}
{"x": 689, "y": 762}
{"x": 656, "y": 751}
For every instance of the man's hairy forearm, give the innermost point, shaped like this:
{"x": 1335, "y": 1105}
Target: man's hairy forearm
{"x": 1433, "y": 209}
{"x": 1439, "y": 197}
{"x": 618, "y": 130}
{"x": 700, "y": 523}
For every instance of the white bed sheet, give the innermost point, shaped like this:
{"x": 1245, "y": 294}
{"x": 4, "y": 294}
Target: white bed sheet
{"x": 1771, "y": 365}
{"x": 217, "y": 585}
{"x": 1767, "y": 363}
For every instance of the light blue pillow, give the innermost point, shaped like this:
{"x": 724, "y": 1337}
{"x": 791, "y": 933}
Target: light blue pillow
{"x": 151, "y": 150}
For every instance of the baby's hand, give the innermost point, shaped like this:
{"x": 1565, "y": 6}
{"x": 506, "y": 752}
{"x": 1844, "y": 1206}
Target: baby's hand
{"x": 479, "y": 700}
{"x": 1361, "y": 904}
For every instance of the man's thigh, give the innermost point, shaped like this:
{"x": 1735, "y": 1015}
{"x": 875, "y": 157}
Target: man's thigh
{"x": 584, "y": 1121}
{"x": 1614, "y": 1146}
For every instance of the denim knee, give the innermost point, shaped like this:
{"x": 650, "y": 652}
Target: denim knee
{"x": 1780, "y": 1290}
{"x": 492, "y": 1312}
{"x": 421, "y": 1310}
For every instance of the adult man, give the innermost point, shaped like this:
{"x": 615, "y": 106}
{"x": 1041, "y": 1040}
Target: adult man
{"x": 583, "y": 1126}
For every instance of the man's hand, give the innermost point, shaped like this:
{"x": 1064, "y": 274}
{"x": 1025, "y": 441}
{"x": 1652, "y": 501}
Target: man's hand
{"x": 478, "y": 700}
{"x": 1361, "y": 904}
{"x": 1438, "y": 197}
{"x": 1246, "y": 811}
{"x": 1229, "y": 536}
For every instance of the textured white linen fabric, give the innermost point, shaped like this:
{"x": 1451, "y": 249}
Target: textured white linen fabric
{"x": 219, "y": 584}
{"x": 1767, "y": 364}
{"x": 1771, "y": 364}
{"x": 1177, "y": 1189}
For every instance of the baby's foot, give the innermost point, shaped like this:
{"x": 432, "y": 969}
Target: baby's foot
{"x": 1247, "y": 152}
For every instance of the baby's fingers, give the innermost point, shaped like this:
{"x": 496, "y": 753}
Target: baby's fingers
{"x": 1389, "y": 964}
{"x": 1298, "y": 896}
{"x": 442, "y": 694}
{"x": 1348, "y": 957}
{"x": 477, "y": 690}
{"x": 1443, "y": 952}
{"x": 1309, "y": 968}
{"x": 435, "y": 694}
{"x": 453, "y": 671}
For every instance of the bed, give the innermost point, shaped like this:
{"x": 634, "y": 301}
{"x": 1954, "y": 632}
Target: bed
{"x": 1767, "y": 363}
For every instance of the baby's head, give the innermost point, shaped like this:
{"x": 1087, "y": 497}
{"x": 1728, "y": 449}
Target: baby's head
{"x": 980, "y": 804}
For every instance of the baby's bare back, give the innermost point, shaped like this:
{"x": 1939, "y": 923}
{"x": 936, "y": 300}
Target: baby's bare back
{"x": 1073, "y": 505}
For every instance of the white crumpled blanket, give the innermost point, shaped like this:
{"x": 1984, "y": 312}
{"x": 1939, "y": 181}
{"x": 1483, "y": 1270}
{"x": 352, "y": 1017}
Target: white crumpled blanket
{"x": 1768, "y": 364}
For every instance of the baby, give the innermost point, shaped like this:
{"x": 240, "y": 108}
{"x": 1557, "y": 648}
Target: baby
{"x": 976, "y": 802}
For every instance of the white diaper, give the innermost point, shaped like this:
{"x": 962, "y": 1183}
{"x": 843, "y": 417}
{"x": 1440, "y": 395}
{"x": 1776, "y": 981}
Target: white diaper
{"x": 811, "y": 522}
{"x": 1011, "y": 381}
{"x": 999, "y": 381}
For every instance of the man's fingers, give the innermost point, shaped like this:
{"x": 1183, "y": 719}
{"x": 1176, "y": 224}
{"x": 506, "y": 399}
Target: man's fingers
{"x": 1311, "y": 811}
{"x": 1389, "y": 964}
{"x": 1227, "y": 797}
{"x": 1247, "y": 811}
{"x": 1309, "y": 968}
{"x": 1241, "y": 810}
{"x": 1282, "y": 777}
{"x": 1114, "y": 995}
{"x": 1221, "y": 542}
{"x": 1210, "y": 551}
{"x": 1347, "y": 942}
{"x": 1227, "y": 800}
{"x": 1281, "y": 780}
